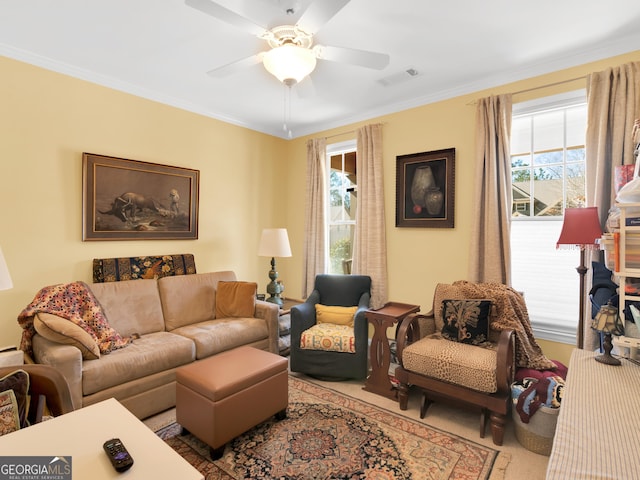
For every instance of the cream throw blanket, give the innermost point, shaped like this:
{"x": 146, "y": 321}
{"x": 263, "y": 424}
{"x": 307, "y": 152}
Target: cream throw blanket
{"x": 511, "y": 313}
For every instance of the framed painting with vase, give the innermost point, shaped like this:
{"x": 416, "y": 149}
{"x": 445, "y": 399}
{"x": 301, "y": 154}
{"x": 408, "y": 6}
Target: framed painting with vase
{"x": 425, "y": 189}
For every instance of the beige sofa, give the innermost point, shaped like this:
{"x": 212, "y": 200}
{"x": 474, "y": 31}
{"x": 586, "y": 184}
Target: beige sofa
{"x": 175, "y": 319}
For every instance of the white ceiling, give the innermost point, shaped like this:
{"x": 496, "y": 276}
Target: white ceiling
{"x": 162, "y": 49}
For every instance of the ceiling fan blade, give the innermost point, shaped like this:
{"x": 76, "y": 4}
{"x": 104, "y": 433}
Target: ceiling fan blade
{"x": 362, "y": 58}
{"x": 235, "y": 67}
{"x": 319, "y": 13}
{"x": 221, "y": 13}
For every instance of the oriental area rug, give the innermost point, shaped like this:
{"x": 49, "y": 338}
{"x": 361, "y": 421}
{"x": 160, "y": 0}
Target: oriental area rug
{"x": 328, "y": 435}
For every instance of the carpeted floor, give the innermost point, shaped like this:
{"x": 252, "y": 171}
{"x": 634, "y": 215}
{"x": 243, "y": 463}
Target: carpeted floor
{"x": 328, "y": 434}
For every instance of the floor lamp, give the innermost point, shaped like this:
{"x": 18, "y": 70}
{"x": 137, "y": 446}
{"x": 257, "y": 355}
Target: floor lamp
{"x": 581, "y": 229}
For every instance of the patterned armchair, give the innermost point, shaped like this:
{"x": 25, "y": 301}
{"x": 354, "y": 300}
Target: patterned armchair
{"x": 454, "y": 354}
{"x": 322, "y": 352}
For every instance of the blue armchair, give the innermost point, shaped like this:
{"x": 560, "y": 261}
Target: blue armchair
{"x": 332, "y": 290}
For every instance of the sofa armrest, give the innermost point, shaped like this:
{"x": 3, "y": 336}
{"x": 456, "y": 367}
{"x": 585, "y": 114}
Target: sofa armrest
{"x": 67, "y": 359}
{"x": 269, "y": 312}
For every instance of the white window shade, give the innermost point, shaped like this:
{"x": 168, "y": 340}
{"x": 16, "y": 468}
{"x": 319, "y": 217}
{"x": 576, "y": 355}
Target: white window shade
{"x": 576, "y": 120}
{"x": 549, "y": 131}
{"x": 521, "y": 135}
{"x": 548, "y": 278}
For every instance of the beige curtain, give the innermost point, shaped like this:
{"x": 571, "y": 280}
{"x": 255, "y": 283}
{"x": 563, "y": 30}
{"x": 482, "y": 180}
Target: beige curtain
{"x": 314, "y": 237}
{"x": 613, "y": 97}
{"x": 370, "y": 246}
{"x": 490, "y": 255}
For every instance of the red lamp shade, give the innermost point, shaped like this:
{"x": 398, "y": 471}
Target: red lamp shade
{"x": 581, "y": 227}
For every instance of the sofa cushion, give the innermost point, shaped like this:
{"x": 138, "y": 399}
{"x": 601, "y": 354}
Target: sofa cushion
{"x": 61, "y": 330}
{"x": 458, "y": 363}
{"x": 131, "y": 306}
{"x": 189, "y": 299}
{"x": 147, "y": 355}
{"x": 236, "y": 299}
{"x": 215, "y": 336}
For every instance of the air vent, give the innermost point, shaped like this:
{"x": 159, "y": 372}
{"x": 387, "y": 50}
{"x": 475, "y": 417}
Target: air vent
{"x": 400, "y": 77}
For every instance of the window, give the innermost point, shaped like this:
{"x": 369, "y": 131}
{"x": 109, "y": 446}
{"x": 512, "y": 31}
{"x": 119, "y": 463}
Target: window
{"x": 341, "y": 206}
{"x": 548, "y": 174}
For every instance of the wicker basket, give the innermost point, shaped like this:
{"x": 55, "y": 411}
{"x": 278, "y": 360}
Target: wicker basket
{"x": 537, "y": 435}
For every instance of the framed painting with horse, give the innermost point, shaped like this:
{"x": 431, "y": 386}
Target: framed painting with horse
{"x": 133, "y": 200}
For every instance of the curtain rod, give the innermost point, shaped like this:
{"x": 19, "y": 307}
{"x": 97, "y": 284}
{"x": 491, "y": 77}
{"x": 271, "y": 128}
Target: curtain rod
{"x": 561, "y": 82}
{"x": 539, "y": 87}
{"x": 340, "y": 134}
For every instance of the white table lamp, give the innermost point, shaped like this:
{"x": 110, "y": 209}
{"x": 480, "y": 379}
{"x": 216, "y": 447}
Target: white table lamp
{"x": 274, "y": 243}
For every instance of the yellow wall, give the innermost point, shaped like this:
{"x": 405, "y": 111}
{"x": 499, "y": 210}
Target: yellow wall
{"x": 248, "y": 181}
{"x": 47, "y": 120}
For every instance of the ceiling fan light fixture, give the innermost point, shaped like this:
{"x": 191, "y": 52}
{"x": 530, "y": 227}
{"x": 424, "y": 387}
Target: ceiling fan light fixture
{"x": 289, "y": 63}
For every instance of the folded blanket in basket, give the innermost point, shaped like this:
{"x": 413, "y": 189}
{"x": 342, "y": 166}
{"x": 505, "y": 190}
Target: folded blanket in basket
{"x": 530, "y": 394}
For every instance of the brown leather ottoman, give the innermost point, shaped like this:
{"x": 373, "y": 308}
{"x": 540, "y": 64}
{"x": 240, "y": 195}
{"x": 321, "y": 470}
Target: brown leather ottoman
{"x": 220, "y": 397}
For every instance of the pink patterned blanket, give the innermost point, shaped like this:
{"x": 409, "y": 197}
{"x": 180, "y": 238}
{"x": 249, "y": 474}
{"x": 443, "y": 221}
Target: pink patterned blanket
{"x": 75, "y": 302}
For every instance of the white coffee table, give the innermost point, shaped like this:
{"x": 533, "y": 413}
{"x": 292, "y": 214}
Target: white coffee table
{"x": 80, "y": 435}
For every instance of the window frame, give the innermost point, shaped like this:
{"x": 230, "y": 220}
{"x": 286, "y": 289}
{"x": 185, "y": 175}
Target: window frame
{"x": 340, "y": 148}
{"x": 563, "y": 331}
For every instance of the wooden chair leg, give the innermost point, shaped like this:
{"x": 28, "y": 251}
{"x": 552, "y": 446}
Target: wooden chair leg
{"x": 483, "y": 421}
{"x": 424, "y": 404}
{"x": 498, "y": 422}
{"x": 403, "y": 396}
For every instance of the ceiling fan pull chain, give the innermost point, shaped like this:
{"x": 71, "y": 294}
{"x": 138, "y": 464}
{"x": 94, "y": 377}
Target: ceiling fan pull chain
{"x": 287, "y": 110}
{"x": 289, "y": 134}
{"x": 284, "y": 108}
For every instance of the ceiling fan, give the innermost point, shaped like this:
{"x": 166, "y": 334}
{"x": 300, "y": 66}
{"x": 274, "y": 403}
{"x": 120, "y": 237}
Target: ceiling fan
{"x": 292, "y": 55}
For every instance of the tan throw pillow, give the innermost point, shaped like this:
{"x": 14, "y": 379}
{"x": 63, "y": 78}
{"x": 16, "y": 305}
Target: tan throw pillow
{"x": 236, "y": 299}
{"x": 335, "y": 315}
{"x": 61, "y": 330}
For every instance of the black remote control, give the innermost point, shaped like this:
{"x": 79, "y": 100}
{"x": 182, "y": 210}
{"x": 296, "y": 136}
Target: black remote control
{"x": 117, "y": 453}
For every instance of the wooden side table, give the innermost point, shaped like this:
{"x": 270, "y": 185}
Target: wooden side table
{"x": 379, "y": 352}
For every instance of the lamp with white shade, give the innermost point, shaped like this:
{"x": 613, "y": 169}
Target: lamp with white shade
{"x": 5, "y": 278}
{"x": 274, "y": 243}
